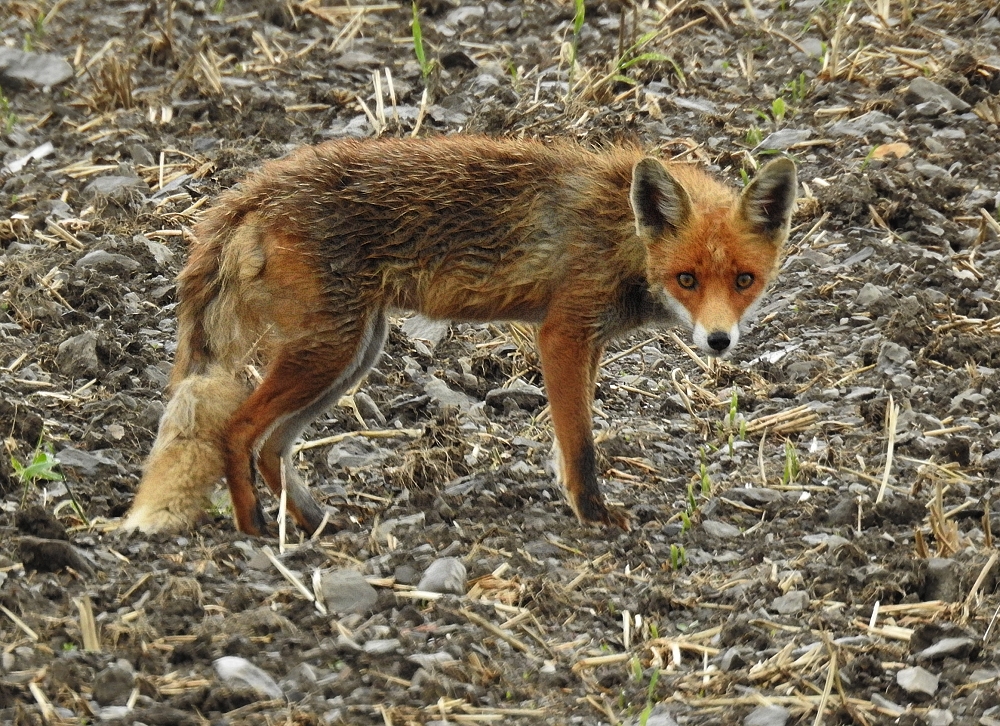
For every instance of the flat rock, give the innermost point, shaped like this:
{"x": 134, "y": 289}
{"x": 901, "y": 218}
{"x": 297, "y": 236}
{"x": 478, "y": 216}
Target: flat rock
{"x": 784, "y": 138}
{"x": 444, "y": 575}
{"x": 77, "y": 356}
{"x": 381, "y": 646}
{"x": 864, "y": 124}
{"x": 239, "y": 673}
{"x": 770, "y": 715}
{"x": 939, "y": 717}
{"x": 116, "y": 187}
{"x": 110, "y": 262}
{"x": 442, "y": 394}
{"x": 924, "y": 90}
{"x": 347, "y": 591}
{"x": 88, "y": 463}
{"x": 791, "y": 602}
{"x": 39, "y": 70}
{"x": 947, "y": 647}
{"x": 429, "y": 331}
{"x": 526, "y": 396}
{"x": 917, "y": 680}
{"x": 113, "y": 685}
{"x": 720, "y": 530}
{"x": 943, "y": 580}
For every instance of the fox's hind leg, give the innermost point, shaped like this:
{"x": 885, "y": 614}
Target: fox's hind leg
{"x": 278, "y": 446}
{"x": 302, "y": 378}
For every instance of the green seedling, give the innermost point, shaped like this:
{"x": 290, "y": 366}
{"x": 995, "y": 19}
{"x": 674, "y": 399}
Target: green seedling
{"x": 753, "y": 137}
{"x": 791, "y": 471}
{"x": 219, "y": 6}
{"x": 7, "y": 116}
{"x": 799, "y": 88}
{"x": 678, "y": 557}
{"x": 706, "y": 482}
{"x": 650, "y": 697}
{"x": 778, "y": 110}
{"x": 579, "y": 16}
{"x": 42, "y": 467}
{"x": 418, "y": 44}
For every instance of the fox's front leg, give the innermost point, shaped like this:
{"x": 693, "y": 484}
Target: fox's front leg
{"x": 570, "y": 356}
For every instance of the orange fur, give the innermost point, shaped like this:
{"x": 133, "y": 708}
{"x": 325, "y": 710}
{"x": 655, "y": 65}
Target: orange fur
{"x": 298, "y": 268}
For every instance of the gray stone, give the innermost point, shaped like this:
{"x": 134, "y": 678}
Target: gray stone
{"x": 442, "y": 394}
{"x": 720, "y": 530}
{"x": 40, "y": 70}
{"x": 347, "y": 591}
{"x": 420, "y": 328}
{"x": 939, "y": 717}
{"x": 117, "y": 188}
{"x": 947, "y": 647}
{"x": 659, "y": 716}
{"x": 791, "y": 602}
{"x": 368, "y": 409}
{"x": 406, "y": 575}
{"x": 77, "y": 357}
{"x": 868, "y": 294}
{"x": 892, "y": 354}
{"x": 110, "y": 262}
{"x": 525, "y": 395}
{"x": 354, "y": 453}
{"x": 379, "y": 646}
{"x": 943, "y": 580}
{"x": 696, "y": 104}
{"x": 113, "y": 685}
{"x": 924, "y": 90}
{"x": 732, "y": 660}
{"x": 917, "y": 681}
{"x": 784, "y": 138}
{"x": 444, "y": 575}
{"x": 160, "y": 252}
{"x": 239, "y": 673}
{"x": 88, "y": 463}
{"x": 770, "y": 715}
{"x": 864, "y": 124}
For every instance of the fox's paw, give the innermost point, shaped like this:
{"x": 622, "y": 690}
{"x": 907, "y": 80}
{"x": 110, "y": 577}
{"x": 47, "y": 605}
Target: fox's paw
{"x": 151, "y": 519}
{"x": 594, "y": 510}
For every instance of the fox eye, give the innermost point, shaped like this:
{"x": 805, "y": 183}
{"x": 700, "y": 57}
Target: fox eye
{"x": 687, "y": 280}
{"x": 744, "y": 280}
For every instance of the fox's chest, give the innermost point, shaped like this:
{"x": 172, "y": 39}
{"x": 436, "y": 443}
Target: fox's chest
{"x": 632, "y": 305}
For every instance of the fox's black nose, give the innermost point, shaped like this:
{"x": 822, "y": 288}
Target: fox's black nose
{"x": 718, "y": 341}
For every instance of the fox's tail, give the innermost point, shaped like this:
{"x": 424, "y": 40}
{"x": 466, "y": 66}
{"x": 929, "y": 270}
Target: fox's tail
{"x": 216, "y": 338}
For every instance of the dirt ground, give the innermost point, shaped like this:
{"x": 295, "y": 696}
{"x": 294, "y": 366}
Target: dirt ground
{"x": 814, "y": 517}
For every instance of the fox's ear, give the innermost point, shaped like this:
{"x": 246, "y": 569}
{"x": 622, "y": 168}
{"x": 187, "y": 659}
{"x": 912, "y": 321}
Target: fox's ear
{"x": 660, "y": 204}
{"x": 767, "y": 202}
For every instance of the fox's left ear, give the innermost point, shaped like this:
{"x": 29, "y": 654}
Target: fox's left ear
{"x": 767, "y": 202}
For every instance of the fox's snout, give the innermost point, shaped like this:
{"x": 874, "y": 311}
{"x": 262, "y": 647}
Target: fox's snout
{"x": 716, "y": 341}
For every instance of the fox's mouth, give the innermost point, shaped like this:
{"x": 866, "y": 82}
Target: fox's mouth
{"x": 717, "y": 343}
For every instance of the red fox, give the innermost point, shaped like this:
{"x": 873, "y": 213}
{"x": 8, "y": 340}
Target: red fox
{"x": 299, "y": 266}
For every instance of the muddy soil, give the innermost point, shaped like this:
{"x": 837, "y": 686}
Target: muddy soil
{"x": 813, "y": 517}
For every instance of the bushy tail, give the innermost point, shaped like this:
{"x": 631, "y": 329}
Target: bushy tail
{"x": 218, "y": 329}
{"x": 187, "y": 458}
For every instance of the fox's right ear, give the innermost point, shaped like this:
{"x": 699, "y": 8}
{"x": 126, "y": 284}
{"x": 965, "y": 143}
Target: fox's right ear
{"x": 660, "y": 204}
{"x": 768, "y": 200}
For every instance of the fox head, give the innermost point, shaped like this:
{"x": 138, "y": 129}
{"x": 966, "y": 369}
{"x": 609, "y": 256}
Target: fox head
{"x": 710, "y": 255}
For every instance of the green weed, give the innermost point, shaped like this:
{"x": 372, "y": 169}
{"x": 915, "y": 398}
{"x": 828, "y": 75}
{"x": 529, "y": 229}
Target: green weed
{"x": 418, "y": 44}
{"x": 791, "y": 471}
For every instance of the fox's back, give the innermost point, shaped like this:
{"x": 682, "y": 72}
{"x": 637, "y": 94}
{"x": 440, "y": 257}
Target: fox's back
{"x": 460, "y": 227}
